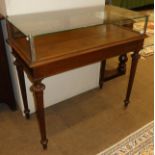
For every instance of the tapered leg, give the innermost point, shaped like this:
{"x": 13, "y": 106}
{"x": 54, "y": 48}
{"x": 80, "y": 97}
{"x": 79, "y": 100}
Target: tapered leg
{"x": 21, "y": 78}
{"x": 135, "y": 58}
{"x": 102, "y": 72}
{"x": 37, "y": 89}
{"x": 122, "y": 64}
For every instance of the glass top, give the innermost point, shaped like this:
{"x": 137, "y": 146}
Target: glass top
{"x": 55, "y": 21}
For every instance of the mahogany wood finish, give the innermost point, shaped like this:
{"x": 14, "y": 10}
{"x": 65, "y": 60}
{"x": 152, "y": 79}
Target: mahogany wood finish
{"x": 122, "y": 65}
{"x": 102, "y": 72}
{"x": 135, "y": 58}
{"x": 37, "y": 89}
{"x": 56, "y": 53}
{"x": 20, "y": 73}
{"x": 6, "y": 88}
{"x": 121, "y": 69}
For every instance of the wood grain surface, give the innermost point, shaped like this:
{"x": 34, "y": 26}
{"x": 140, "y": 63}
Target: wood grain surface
{"x": 61, "y": 45}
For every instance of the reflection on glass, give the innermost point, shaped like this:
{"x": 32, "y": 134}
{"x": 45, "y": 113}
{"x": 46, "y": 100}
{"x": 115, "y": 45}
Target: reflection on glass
{"x": 55, "y": 21}
{"x": 26, "y": 30}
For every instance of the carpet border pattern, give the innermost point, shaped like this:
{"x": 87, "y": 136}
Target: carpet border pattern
{"x": 135, "y": 144}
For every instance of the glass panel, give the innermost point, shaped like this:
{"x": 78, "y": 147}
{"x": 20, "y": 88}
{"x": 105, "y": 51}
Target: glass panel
{"x": 19, "y": 41}
{"x": 27, "y": 33}
{"x": 56, "y": 21}
{"x": 113, "y": 14}
{"x": 126, "y": 18}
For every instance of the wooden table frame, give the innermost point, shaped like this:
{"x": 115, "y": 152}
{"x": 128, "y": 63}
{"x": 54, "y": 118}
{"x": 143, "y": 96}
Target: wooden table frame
{"x": 38, "y": 73}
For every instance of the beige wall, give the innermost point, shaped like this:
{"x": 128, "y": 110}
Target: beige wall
{"x": 2, "y": 7}
{"x": 27, "y": 6}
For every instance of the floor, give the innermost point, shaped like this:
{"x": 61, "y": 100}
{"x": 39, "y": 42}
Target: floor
{"x": 85, "y": 124}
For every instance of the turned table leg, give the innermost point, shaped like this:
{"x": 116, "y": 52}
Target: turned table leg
{"x": 102, "y": 71}
{"x": 122, "y": 63}
{"x": 106, "y": 75}
{"x": 37, "y": 89}
{"x": 135, "y": 57}
{"x": 21, "y": 78}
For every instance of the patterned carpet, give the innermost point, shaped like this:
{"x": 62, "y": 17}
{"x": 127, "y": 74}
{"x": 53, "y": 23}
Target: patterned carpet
{"x": 140, "y": 142}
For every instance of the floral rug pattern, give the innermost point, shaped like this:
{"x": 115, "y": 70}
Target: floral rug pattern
{"x": 140, "y": 142}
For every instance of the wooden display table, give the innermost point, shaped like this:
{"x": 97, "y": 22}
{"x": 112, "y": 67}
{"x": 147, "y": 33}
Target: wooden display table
{"x": 54, "y": 53}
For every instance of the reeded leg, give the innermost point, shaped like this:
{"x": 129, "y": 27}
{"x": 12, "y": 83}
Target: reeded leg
{"x": 135, "y": 58}
{"x": 21, "y": 78}
{"x": 122, "y": 65}
{"x": 37, "y": 89}
{"x": 102, "y": 72}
